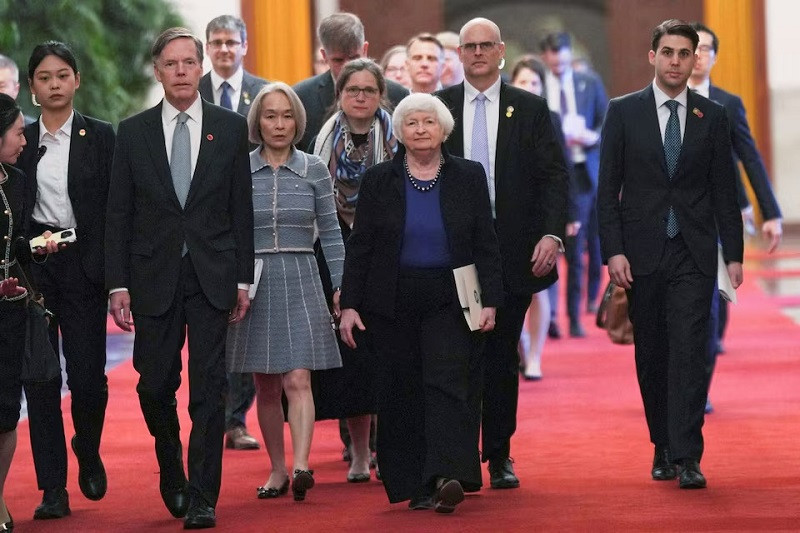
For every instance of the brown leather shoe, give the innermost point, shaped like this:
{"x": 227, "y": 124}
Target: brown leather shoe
{"x": 239, "y": 439}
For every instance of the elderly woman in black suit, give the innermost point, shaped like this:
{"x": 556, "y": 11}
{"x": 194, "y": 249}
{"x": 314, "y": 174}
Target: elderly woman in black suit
{"x": 420, "y": 216}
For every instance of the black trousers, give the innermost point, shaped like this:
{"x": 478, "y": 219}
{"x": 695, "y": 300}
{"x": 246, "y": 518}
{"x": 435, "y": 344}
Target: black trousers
{"x": 427, "y": 424}
{"x": 79, "y": 305}
{"x": 157, "y": 359}
{"x": 586, "y": 199}
{"x": 501, "y": 378}
{"x": 12, "y": 344}
{"x": 670, "y": 315}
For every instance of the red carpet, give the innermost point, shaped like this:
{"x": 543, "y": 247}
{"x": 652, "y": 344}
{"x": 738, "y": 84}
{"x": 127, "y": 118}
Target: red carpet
{"x": 581, "y": 451}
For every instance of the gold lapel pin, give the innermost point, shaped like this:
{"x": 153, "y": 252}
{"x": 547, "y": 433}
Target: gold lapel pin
{"x": 697, "y": 112}
{"x": 246, "y": 97}
{"x": 82, "y": 132}
{"x": 509, "y": 111}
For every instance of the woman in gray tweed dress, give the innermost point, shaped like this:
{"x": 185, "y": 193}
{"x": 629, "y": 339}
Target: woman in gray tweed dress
{"x": 287, "y": 332}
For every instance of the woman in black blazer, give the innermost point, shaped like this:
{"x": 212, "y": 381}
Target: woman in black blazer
{"x": 420, "y": 216}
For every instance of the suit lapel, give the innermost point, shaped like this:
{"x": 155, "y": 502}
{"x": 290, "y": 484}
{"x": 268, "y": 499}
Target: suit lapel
{"x": 154, "y": 137}
{"x": 326, "y": 90}
{"x": 652, "y": 129}
{"x": 505, "y": 126}
{"x": 246, "y": 95}
{"x": 456, "y": 140}
{"x": 693, "y": 124}
{"x": 80, "y": 138}
{"x": 208, "y": 144}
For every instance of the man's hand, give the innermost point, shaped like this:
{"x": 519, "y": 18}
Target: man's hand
{"x": 619, "y": 270}
{"x": 544, "y": 257}
{"x": 50, "y": 247}
{"x": 773, "y": 231}
{"x": 735, "y": 273}
{"x": 487, "y": 319}
{"x": 120, "y": 309}
{"x": 350, "y": 319}
{"x": 573, "y": 228}
{"x": 242, "y": 306}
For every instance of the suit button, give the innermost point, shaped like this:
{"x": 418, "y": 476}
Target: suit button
{"x": 7, "y": 237}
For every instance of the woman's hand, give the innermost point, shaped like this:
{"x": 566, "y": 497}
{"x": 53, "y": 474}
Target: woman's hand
{"x": 10, "y": 288}
{"x": 350, "y": 318}
{"x": 337, "y": 310}
{"x": 486, "y": 322}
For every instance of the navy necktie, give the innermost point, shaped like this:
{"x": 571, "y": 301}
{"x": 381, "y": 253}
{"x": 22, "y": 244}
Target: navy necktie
{"x": 672, "y": 150}
{"x": 225, "y": 97}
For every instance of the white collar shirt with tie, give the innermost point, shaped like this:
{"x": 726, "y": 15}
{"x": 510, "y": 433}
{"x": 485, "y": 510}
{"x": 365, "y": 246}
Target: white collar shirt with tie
{"x": 663, "y": 111}
{"x": 234, "y": 91}
{"x": 169, "y": 116}
{"x": 492, "y": 106}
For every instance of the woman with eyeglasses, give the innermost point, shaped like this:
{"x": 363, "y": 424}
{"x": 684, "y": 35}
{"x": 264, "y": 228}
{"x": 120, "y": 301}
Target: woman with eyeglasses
{"x": 357, "y": 136}
{"x": 393, "y": 65}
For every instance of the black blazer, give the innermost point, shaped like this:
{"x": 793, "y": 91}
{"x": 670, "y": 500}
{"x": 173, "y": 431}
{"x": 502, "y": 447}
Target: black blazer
{"x": 250, "y": 87}
{"x": 146, "y": 226}
{"x": 318, "y": 93}
{"x": 372, "y": 256}
{"x": 88, "y": 173}
{"x": 14, "y": 245}
{"x": 702, "y": 192}
{"x": 530, "y": 180}
{"x": 744, "y": 148}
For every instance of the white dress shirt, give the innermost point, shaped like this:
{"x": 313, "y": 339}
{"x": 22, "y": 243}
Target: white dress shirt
{"x": 553, "y": 85}
{"x": 492, "y": 106}
{"x": 169, "y": 116}
{"x": 235, "y": 91}
{"x": 703, "y": 88}
{"x": 53, "y": 206}
{"x": 663, "y": 110}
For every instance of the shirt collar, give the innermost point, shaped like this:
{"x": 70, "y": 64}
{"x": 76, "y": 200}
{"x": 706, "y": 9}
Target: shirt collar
{"x": 661, "y": 97}
{"x": 704, "y": 88}
{"x": 492, "y": 93}
{"x": 234, "y": 81}
{"x": 65, "y": 128}
{"x": 296, "y": 162}
{"x": 169, "y": 113}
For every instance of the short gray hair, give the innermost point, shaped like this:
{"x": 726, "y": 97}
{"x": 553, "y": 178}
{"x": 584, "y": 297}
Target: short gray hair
{"x": 167, "y": 36}
{"x": 227, "y": 23}
{"x": 426, "y": 103}
{"x": 341, "y": 32}
{"x": 8, "y": 63}
{"x": 254, "y": 116}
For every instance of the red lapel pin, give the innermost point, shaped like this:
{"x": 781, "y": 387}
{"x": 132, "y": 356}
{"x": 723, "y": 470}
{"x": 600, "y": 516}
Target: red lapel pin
{"x": 210, "y": 137}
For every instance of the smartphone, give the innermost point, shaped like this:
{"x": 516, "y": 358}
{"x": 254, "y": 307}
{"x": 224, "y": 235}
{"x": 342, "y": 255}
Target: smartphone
{"x": 60, "y": 237}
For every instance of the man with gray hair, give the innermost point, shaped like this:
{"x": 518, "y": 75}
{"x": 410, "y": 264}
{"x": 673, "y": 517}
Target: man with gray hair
{"x": 453, "y": 72}
{"x": 9, "y": 81}
{"x": 229, "y": 85}
{"x": 342, "y": 38}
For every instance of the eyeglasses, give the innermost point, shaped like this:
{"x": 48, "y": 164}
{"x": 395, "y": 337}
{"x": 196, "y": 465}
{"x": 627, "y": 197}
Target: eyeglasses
{"x": 353, "y": 91}
{"x": 485, "y": 46}
{"x": 704, "y": 49}
{"x": 231, "y": 44}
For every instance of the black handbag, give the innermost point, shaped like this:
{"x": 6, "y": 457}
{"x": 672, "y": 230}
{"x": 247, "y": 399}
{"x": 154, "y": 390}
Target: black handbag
{"x": 39, "y": 361}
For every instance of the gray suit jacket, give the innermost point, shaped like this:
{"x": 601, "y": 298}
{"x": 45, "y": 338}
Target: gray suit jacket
{"x": 250, "y": 87}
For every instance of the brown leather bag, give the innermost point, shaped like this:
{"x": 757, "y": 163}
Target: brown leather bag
{"x": 612, "y": 315}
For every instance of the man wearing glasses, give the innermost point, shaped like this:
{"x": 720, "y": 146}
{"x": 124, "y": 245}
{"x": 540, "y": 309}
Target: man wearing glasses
{"x": 230, "y": 86}
{"x": 509, "y": 132}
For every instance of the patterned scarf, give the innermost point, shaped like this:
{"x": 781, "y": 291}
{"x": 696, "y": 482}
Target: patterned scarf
{"x": 348, "y": 163}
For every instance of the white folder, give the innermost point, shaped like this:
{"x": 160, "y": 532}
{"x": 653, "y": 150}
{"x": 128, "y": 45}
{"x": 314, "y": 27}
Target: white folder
{"x": 469, "y": 294}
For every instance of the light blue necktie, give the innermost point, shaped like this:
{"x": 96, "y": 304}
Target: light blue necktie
{"x": 480, "y": 140}
{"x": 225, "y": 97}
{"x": 180, "y": 163}
{"x": 672, "y": 150}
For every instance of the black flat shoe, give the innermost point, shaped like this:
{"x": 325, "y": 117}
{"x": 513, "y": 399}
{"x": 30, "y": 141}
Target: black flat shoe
{"x": 663, "y": 469}
{"x": 690, "y": 476}
{"x": 200, "y": 516}
{"x": 55, "y": 504}
{"x": 449, "y": 494}
{"x": 266, "y": 493}
{"x": 91, "y": 473}
{"x": 303, "y": 480}
{"x": 501, "y": 474}
{"x": 421, "y": 503}
{"x": 358, "y": 478}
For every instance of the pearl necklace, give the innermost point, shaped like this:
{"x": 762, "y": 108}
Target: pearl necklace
{"x": 415, "y": 182}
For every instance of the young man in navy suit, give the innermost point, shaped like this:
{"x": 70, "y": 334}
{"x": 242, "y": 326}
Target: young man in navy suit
{"x": 666, "y": 196}
{"x": 179, "y": 256}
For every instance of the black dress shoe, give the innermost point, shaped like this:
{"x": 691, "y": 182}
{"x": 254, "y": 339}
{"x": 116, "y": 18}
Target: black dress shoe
{"x": 576, "y": 330}
{"x": 55, "y": 504}
{"x": 448, "y": 495}
{"x": 303, "y": 480}
{"x": 421, "y": 503}
{"x": 553, "y": 331}
{"x": 358, "y": 478}
{"x": 176, "y": 498}
{"x": 690, "y": 476}
{"x": 200, "y": 516}
{"x": 266, "y": 493}
{"x": 501, "y": 474}
{"x": 91, "y": 473}
{"x": 663, "y": 468}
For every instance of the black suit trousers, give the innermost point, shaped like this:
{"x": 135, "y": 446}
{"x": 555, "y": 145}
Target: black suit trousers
{"x": 157, "y": 359}
{"x": 427, "y": 424}
{"x": 501, "y": 378}
{"x": 670, "y": 315}
{"x": 79, "y": 306}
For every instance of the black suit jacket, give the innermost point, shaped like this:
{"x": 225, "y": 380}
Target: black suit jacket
{"x": 146, "y": 226}
{"x": 635, "y": 191}
{"x": 530, "y": 180}
{"x": 88, "y": 173}
{"x": 744, "y": 148}
{"x": 373, "y": 249}
{"x": 318, "y": 93}
{"x": 250, "y": 87}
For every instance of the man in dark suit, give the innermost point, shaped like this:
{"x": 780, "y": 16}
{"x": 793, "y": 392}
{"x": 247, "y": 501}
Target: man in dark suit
{"x": 179, "y": 243}
{"x": 666, "y": 196}
{"x": 230, "y": 86}
{"x": 744, "y": 150}
{"x": 67, "y": 161}
{"x": 580, "y": 99}
{"x": 342, "y": 39}
{"x": 509, "y": 132}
